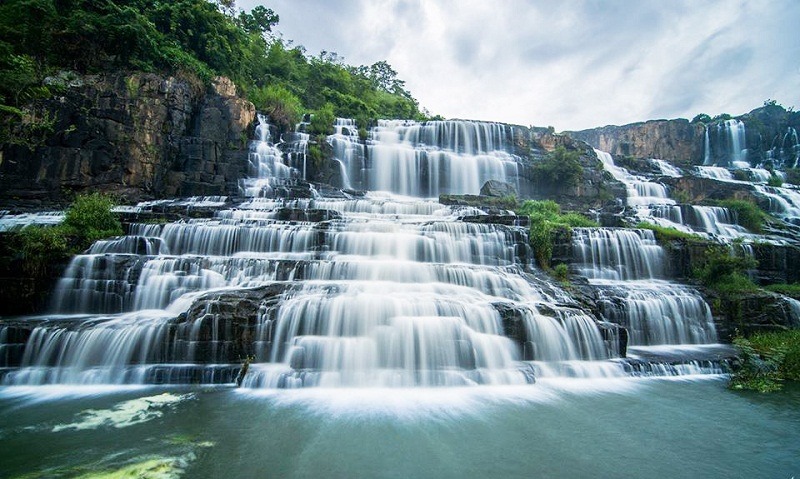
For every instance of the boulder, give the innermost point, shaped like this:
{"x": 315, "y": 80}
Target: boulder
{"x": 498, "y": 189}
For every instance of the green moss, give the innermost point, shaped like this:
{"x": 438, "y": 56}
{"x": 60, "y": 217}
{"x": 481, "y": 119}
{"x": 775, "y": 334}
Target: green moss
{"x": 665, "y": 234}
{"x": 767, "y": 359}
{"x": 791, "y": 290}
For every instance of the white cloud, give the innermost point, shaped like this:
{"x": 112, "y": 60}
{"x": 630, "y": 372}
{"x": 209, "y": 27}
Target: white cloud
{"x": 572, "y": 65}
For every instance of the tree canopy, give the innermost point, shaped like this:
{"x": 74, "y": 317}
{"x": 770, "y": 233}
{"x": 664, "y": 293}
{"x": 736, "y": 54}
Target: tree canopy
{"x": 39, "y": 38}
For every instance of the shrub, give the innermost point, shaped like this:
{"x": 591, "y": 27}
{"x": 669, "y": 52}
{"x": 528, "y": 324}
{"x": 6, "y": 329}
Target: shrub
{"x": 767, "y": 359}
{"x": 775, "y": 181}
{"x": 42, "y": 247}
{"x": 282, "y": 106}
{"x": 724, "y": 270}
{"x": 561, "y": 273}
{"x": 546, "y": 218}
{"x": 791, "y": 290}
{"x": 89, "y": 218}
{"x": 322, "y": 121}
{"x": 701, "y": 118}
{"x": 559, "y": 167}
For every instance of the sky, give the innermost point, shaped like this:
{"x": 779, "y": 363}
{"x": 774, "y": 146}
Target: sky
{"x": 570, "y": 64}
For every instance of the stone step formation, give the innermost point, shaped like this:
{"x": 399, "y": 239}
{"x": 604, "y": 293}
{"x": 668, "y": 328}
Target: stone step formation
{"x": 314, "y": 286}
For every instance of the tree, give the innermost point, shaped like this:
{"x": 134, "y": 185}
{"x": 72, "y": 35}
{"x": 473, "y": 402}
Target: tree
{"x": 260, "y": 20}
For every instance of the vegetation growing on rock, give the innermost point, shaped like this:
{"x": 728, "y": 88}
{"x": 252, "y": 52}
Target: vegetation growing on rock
{"x": 748, "y": 214}
{"x": 88, "y": 219}
{"x": 767, "y": 359}
{"x": 664, "y": 234}
{"x": 546, "y": 217}
{"x": 560, "y": 167}
{"x": 725, "y": 270}
{"x": 41, "y": 40}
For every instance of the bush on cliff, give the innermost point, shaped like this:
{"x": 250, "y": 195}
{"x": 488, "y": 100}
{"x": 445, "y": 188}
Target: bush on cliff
{"x": 725, "y": 269}
{"x": 282, "y": 106}
{"x": 792, "y": 290}
{"x": 666, "y": 234}
{"x": 546, "y": 218}
{"x": 561, "y": 167}
{"x": 42, "y": 248}
{"x": 767, "y": 359}
{"x": 90, "y": 218}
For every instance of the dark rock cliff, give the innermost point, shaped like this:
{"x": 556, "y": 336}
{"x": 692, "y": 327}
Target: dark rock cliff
{"x": 135, "y": 135}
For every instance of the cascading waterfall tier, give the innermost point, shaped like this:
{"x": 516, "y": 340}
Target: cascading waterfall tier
{"x": 427, "y": 159}
{"x": 626, "y": 269}
{"x": 651, "y": 203}
{"x": 372, "y": 290}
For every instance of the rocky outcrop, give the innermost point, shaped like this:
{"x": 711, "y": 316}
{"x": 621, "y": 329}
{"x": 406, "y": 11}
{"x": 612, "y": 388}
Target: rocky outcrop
{"x": 135, "y": 135}
{"x": 695, "y": 190}
{"x": 770, "y": 136}
{"x": 677, "y": 141}
{"x": 595, "y": 188}
{"x": 748, "y": 313}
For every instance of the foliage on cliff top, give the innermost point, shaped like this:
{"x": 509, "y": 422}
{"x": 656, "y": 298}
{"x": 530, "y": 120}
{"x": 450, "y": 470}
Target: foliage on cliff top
{"x": 546, "y": 217}
{"x": 767, "y": 359}
{"x": 40, "y": 37}
{"x": 792, "y": 290}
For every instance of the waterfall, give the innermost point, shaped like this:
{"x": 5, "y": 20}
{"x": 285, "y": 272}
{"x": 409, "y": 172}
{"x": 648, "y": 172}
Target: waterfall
{"x": 657, "y": 313}
{"x": 353, "y": 290}
{"x": 666, "y": 168}
{"x": 729, "y": 147}
{"x": 348, "y": 151}
{"x": 617, "y": 254}
{"x": 435, "y": 157}
{"x": 16, "y": 222}
{"x": 266, "y": 163}
{"x": 714, "y": 172}
{"x": 641, "y": 192}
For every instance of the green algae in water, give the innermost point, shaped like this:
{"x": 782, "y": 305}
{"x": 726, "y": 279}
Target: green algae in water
{"x": 124, "y": 414}
{"x": 152, "y": 468}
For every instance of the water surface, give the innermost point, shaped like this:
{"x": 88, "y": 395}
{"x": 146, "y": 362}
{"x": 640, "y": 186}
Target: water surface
{"x": 559, "y": 428}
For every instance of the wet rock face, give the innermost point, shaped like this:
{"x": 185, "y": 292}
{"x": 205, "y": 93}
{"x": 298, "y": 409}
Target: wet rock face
{"x": 135, "y": 135}
{"x": 677, "y": 141}
{"x": 749, "y": 313}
